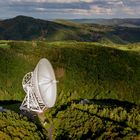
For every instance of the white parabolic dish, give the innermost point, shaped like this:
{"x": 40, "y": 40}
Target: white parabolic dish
{"x": 44, "y": 82}
{"x": 40, "y": 86}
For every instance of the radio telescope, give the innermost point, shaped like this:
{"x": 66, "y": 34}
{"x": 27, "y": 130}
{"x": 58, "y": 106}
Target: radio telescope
{"x": 40, "y": 86}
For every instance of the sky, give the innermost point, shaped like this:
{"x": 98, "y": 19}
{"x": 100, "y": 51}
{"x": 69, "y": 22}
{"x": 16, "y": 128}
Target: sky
{"x": 70, "y": 9}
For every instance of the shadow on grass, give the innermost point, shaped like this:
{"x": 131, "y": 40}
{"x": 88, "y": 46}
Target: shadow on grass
{"x": 12, "y": 105}
{"x": 113, "y": 103}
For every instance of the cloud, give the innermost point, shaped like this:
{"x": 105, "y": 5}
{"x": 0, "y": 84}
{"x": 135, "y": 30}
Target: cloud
{"x": 129, "y": 11}
{"x": 54, "y": 1}
{"x": 71, "y": 8}
{"x": 132, "y": 3}
{"x": 72, "y": 11}
{"x": 117, "y": 2}
{"x": 100, "y": 10}
{"x": 50, "y": 5}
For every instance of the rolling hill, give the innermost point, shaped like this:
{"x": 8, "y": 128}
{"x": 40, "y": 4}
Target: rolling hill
{"x": 127, "y": 22}
{"x": 28, "y": 28}
{"x": 22, "y": 28}
{"x": 84, "y": 69}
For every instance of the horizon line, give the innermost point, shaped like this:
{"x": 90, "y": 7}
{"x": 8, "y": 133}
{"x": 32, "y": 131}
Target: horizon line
{"x": 69, "y": 18}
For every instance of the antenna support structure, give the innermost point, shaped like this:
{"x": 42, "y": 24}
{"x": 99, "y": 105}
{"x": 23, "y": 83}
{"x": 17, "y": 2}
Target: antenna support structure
{"x": 31, "y": 101}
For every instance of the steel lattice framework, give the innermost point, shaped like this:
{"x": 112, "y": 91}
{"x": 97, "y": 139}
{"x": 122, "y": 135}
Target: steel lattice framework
{"x": 31, "y": 102}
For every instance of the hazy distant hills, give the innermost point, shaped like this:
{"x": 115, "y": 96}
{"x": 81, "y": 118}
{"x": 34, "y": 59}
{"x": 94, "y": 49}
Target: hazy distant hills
{"x": 28, "y": 28}
{"x": 113, "y": 22}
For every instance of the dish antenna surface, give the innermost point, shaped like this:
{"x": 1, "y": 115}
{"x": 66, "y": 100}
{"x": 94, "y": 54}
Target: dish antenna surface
{"x": 40, "y": 86}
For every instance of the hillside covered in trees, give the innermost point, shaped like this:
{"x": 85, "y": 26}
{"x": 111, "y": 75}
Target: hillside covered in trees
{"x": 98, "y": 89}
{"x": 14, "y": 126}
{"x": 28, "y": 28}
